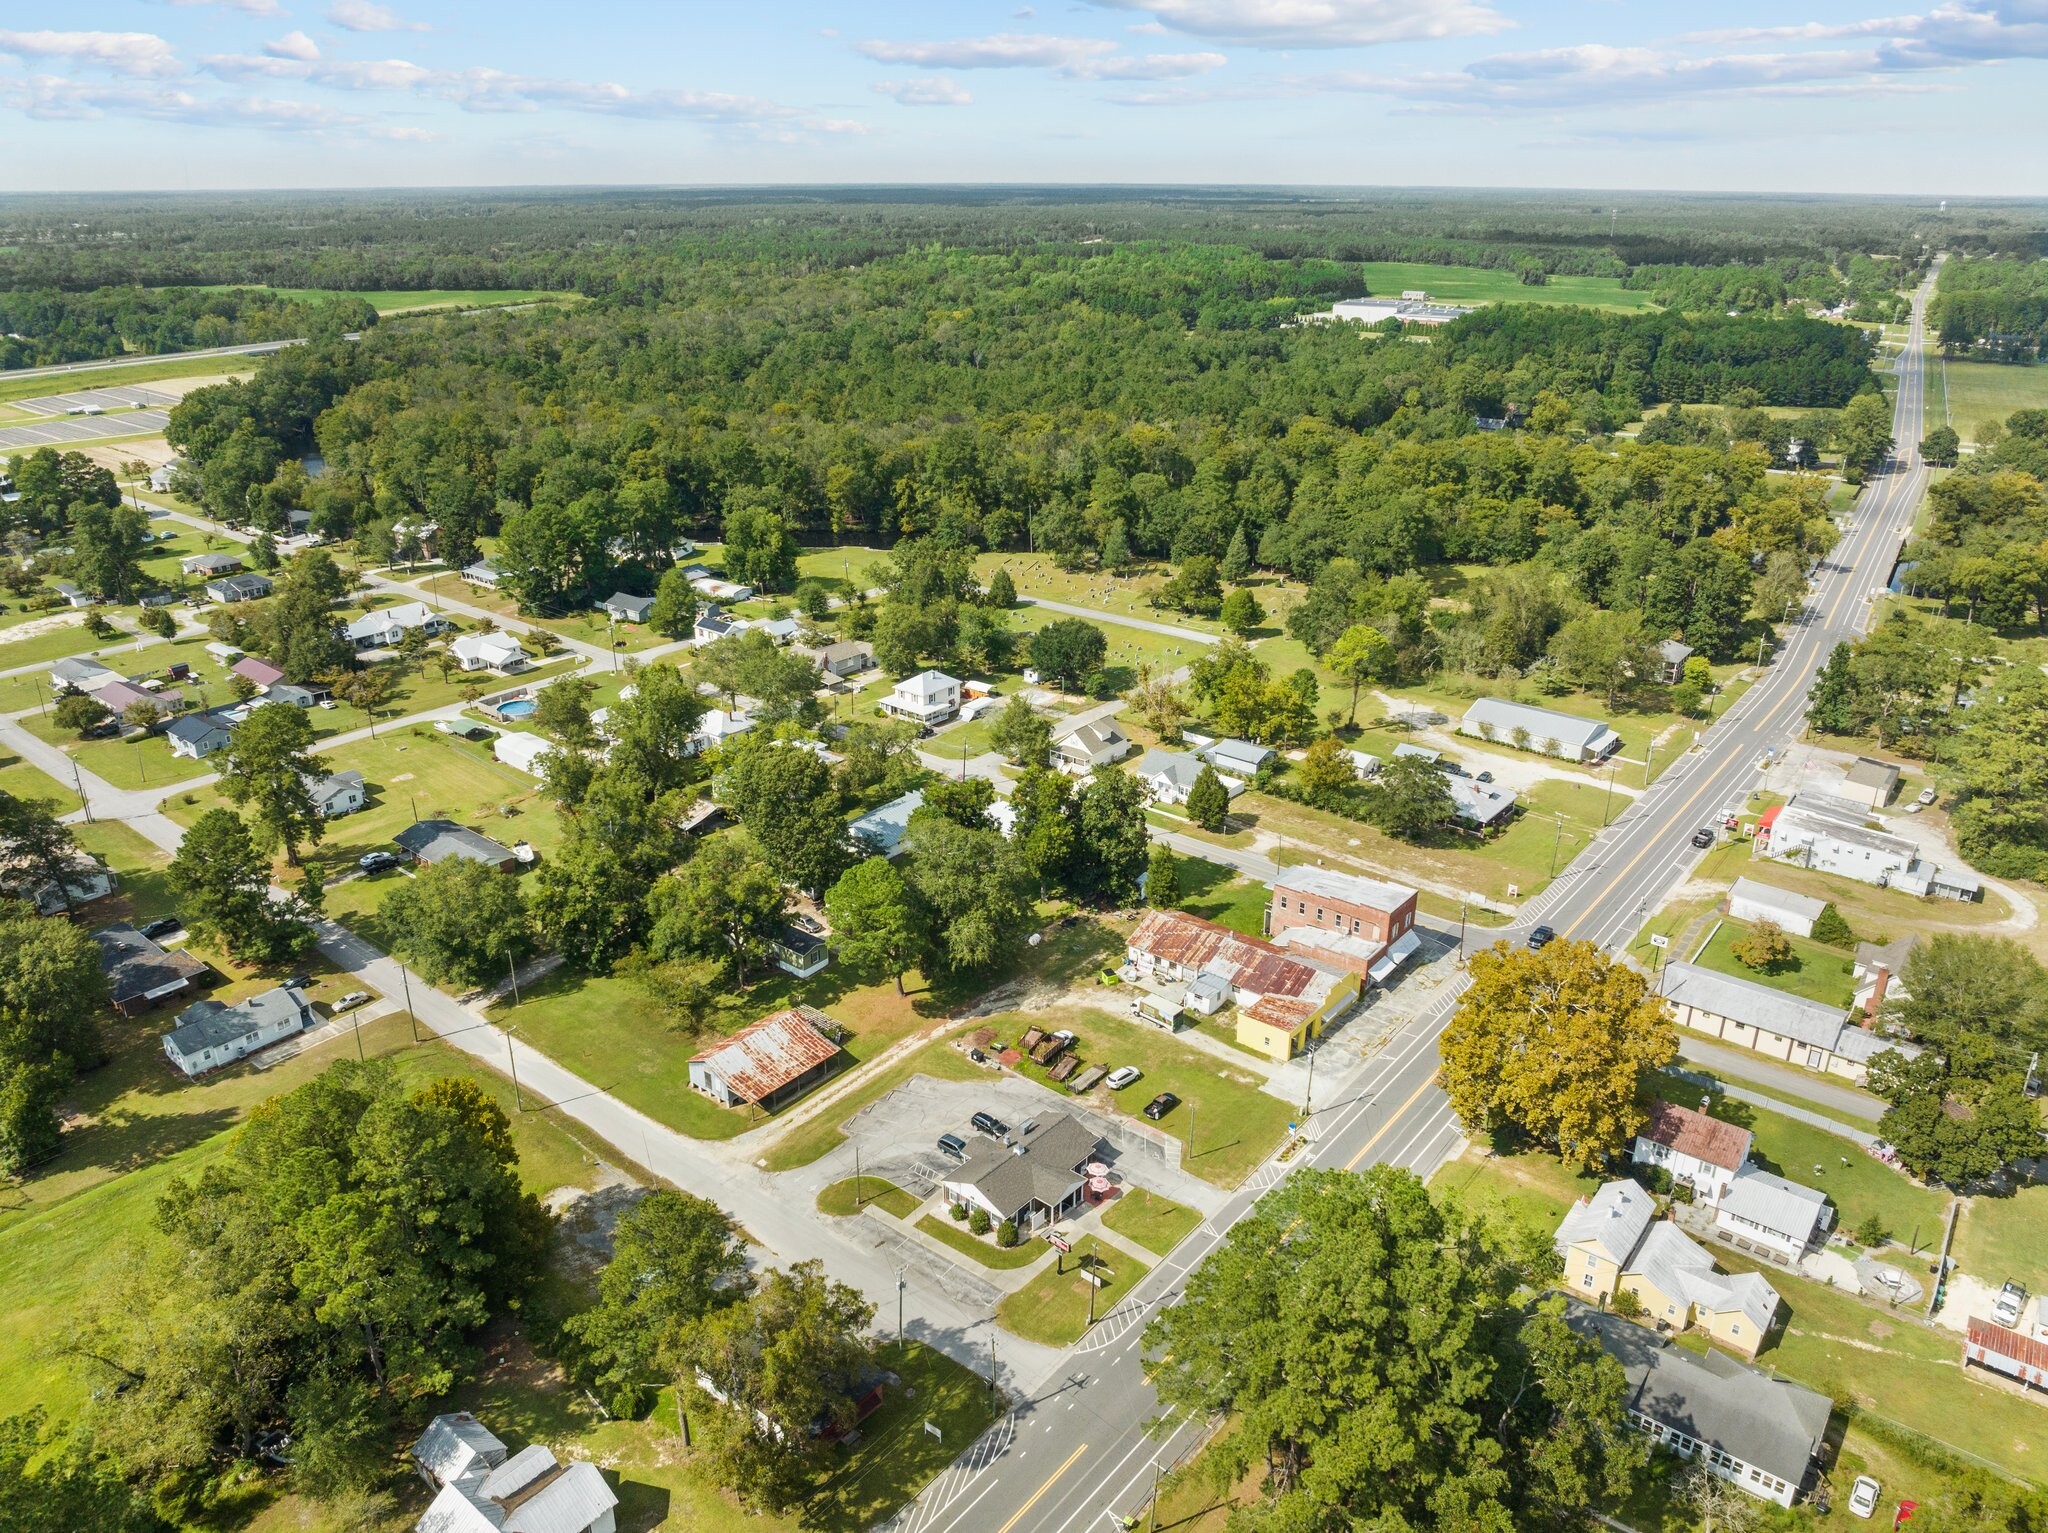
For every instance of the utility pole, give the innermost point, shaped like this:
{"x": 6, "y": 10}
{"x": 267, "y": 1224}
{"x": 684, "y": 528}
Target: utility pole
{"x": 357, "y": 1016}
{"x": 1555, "y": 842}
{"x": 1152, "y": 1511}
{"x": 80, "y": 781}
{"x": 991, "y": 1360}
{"x": 1308, "y": 1096}
{"x": 406, "y": 980}
{"x": 512, "y": 974}
{"x": 512, "y": 1059}
{"x": 899, "y": 1309}
{"x": 1607, "y": 803}
{"x": 856, "y": 1178}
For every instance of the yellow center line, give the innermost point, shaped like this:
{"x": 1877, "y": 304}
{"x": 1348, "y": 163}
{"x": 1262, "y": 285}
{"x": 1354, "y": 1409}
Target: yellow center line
{"x": 1651, "y": 847}
{"x": 1018, "y": 1515}
{"x": 1352, "y": 1164}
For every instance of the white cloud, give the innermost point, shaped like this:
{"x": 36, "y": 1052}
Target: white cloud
{"x": 938, "y": 92}
{"x": 49, "y": 98}
{"x": 367, "y": 16}
{"x": 247, "y": 7}
{"x": 250, "y": 66}
{"x": 1077, "y": 58}
{"x": 142, "y": 55}
{"x": 293, "y": 45}
{"x": 1319, "y": 23}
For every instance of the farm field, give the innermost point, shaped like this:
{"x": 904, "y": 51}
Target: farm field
{"x": 1977, "y": 392}
{"x": 1476, "y": 284}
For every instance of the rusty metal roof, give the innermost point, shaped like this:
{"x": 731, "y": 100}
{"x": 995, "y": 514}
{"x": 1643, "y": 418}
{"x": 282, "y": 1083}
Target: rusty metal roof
{"x": 1695, "y": 1134}
{"x": 760, "y": 1060}
{"x": 1278, "y": 1011}
{"x": 1195, "y": 944}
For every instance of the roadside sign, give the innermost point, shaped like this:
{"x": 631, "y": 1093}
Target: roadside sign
{"x": 932, "y": 1430}
{"x": 1058, "y": 1241}
{"x": 1658, "y": 939}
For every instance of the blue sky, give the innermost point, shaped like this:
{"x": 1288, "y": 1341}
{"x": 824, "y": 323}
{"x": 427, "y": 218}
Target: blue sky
{"x": 1800, "y": 95}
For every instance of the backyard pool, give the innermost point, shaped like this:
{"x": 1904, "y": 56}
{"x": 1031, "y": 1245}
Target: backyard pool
{"x": 519, "y": 708}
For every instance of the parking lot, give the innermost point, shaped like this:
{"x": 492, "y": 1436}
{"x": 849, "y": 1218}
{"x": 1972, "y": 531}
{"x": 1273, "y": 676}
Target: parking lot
{"x": 82, "y": 428}
{"x": 124, "y": 397}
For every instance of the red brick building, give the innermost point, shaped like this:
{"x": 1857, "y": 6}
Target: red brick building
{"x": 1341, "y": 917}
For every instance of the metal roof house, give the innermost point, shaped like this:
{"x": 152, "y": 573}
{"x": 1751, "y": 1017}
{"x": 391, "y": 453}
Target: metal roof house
{"x": 1482, "y": 806}
{"x": 882, "y": 830}
{"x": 209, "y": 1035}
{"x": 1774, "y": 1023}
{"x": 929, "y": 697}
{"x": 1749, "y": 900}
{"x": 1870, "y": 782}
{"x": 1527, "y": 727}
{"x": 1236, "y": 758}
{"x": 489, "y": 652}
{"x": 482, "y": 1490}
{"x": 1674, "y": 654}
{"x": 431, "y": 841}
{"x": 141, "y": 972}
{"x": 1764, "y": 1214}
{"x": 254, "y": 669}
{"x": 78, "y": 674}
{"x": 1695, "y": 1148}
{"x": 771, "y": 1063}
{"x": 1761, "y": 1433}
{"x": 1033, "y": 1179}
{"x": 389, "y": 625}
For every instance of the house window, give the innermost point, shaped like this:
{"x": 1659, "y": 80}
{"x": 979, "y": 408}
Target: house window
{"x": 1734, "y": 1330}
{"x": 1319, "y": 912}
{"x": 1587, "y": 1280}
{"x": 1283, "y": 902}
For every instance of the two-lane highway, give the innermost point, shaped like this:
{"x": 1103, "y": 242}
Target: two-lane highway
{"x": 1077, "y": 1455}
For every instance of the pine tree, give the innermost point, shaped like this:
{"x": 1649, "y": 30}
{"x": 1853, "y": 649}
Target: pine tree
{"x": 1162, "y": 877}
{"x": 1002, "y": 591}
{"x": 1208, "y": 800}
{"x": 1237, "y": 559}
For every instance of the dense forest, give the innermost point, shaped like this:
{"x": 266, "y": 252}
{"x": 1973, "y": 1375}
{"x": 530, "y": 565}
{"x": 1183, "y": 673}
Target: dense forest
{"x": 45, "y": 326}
{"x": 1996, "y": 308}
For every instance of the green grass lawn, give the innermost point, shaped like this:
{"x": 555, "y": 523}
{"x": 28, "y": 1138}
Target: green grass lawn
{"x": 54, "y": 644}
{"x": 1818, "y": 973}
{"x": 1530, "y": 1190}
{"x": 1235, "y": 1124}
{"x": 1053, "y": 1307}
{"x": 1474, "y": 284}
{"x": 1220, "y": 894}
{"x": 980, "y": 1248}
{"x": 851, "y": 1196}
{"x": 1859, "y": 1184}
{"x": 144, "y": 893}
{"x": 2005, "y": 1237}
{"x": 22, "y": 780}
{"x": 1983, "y": 391}
{"x": 1158, "y": 1224}
{"x": 72, "y": 1230}
{"x": 416, "y": 766}
{"x": 587, "y": 627}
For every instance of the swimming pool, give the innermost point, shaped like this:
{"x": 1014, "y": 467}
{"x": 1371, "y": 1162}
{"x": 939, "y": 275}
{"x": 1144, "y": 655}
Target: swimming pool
{"x": 519, "y": 708}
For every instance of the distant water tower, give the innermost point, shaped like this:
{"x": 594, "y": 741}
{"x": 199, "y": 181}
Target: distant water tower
{"x": 1944, "y": 204}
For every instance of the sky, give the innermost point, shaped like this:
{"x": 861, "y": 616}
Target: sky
{"x": 1785, "y": 96}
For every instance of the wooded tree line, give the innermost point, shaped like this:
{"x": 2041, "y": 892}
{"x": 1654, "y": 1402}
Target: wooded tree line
{"x": 43, "y": 326}
{"x": 1996, "y": 307}
{"x": 1870, "y": 287}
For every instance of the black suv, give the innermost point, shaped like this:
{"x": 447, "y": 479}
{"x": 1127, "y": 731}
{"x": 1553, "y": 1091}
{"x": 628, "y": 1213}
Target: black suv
{"x": 1703, "y": 838}
{"x": 1541, "y": 936}
{"x": 990, "y": 1124}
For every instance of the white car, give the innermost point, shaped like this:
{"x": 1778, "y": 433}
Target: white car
{"x": 1863, "y": 1496}
{"x": 350, "y": 1001}
{"x": 2005, "y": 1309}
{"x": 1122, "y": 1077}
{"x": 1927, "y": 796}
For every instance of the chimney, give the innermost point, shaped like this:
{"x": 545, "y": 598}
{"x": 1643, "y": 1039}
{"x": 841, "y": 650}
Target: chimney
{"x": 1878, "y": 987}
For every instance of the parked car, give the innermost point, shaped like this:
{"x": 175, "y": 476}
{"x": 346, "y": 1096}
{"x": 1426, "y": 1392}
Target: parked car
{"x": 298, "y": 982}
{"x": 162, "y": 926}
{"x": 1161, "y": 1105}
{"x": 1541, "y": 937}
{"x": 350, "y": 1001}
{"x": 989, "y": 1124}
{"x": 2005, "y": 1309}
{"x": 953, "y": 1146}
{"x": 1703, "y": 837}
{"x": 1122, "y": 1076}
{"x": 1927, "y": 796}
{"x": 376, "y": 862}
{"x": 1484, "y": 777}
{"x": 1863, "y": 1496}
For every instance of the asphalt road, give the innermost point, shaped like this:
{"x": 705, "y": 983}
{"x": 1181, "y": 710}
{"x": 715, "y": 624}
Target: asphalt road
{"x": 1077, "y": 1454}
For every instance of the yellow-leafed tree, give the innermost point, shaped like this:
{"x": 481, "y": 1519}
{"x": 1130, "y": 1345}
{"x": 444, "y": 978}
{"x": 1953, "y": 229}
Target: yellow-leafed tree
{"x": 1557, "y": 1043}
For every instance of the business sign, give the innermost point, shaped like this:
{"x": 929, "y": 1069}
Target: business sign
{"x": 1658, "y": 939}
{"x": 1059, "y": 1242}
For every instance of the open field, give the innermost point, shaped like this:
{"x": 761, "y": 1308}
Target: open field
{"x": 1129, "y": 594}
{"x": 1053, "y": 1307}
{"x": 1816, "y": 972}
{"x": 1475, "y": 284}
{"x": 54, "y": 643}
{"x": 2006, "y": 1237}
{"x": 1158, "y": 1224}
{"x": 1217, "y": 893}
{"x": 1234, "y": 1125}
{"x": 80, "y": 1241}
{"x": 1978, "y": 392}
{"x": 394, "y": 302}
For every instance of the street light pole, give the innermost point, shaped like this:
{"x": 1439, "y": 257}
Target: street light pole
{"x": 899, "y": 1309}
{"x": 80, "y": 782}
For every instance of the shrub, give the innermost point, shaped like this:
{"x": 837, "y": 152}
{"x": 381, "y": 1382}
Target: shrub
{"x": 956, "y": 1211}
{"x": 1870, "y": 1231}
{"x": 1626, "y": 1304}
{"x": 629, "y": 1402}
{"x": 977, "y": 1220}
{"x": 1006, "y": 1234}
{"x": 1656, "y": 1178}
{"x": 1766, "y": 947}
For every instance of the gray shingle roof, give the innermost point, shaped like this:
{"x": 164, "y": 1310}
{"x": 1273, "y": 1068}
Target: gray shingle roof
{"x": 1810, "y": 1022}
{"x": 1040, "y": 1167}
{"x": 1177, "y": 767}
{"x": 437, "y": 840}
{"x": 1772, "y": 1203}
{"x": 135, "y": 965}
{"x": 1774, "y": 1424}
{"x": 208, "y": 1024}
